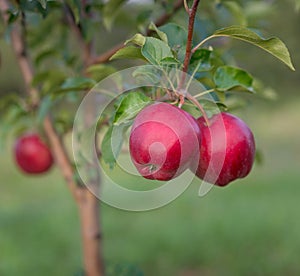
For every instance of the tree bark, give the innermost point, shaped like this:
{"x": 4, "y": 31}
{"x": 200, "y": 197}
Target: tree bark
{"x": 89, "y": 213}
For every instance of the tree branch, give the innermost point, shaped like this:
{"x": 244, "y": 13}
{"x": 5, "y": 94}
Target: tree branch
{"x": 58, "y": 149}
{"x": 77, "y": 30}
{"x": 89, "y": 204}
{"x": 188, "y": 51}
{"x": 20, "y": 51}
{"x": 159, "y": 22}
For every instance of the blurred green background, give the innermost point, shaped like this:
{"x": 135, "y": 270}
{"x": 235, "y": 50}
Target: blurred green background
{"x": 251, "y": 227}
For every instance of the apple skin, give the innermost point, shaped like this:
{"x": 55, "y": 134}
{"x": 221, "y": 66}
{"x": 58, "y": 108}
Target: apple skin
{"x": 164, "y": 141}
{"x": 32, "y": 155}
{"x": 229, "y": 145}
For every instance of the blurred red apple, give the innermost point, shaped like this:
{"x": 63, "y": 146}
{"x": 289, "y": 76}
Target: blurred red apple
{"x": 227, "y": 149}
{"x": 32, "y": 155}
{"x": 164, "y": 141}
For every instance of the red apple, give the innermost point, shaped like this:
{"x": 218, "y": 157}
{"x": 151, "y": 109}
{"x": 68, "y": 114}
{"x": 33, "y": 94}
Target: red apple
{"x": 164, "y": 141}
{"x": 32, "y": 155}
{"x": 227, "y": 149}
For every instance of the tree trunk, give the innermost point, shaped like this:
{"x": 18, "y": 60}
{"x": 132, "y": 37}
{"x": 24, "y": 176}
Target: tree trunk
{"x": 89, "y": 214}
{"x": 87, "y": 203}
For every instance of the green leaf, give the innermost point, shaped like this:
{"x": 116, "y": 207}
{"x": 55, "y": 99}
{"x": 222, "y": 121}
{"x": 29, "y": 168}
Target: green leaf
{"x": 177, "y": 35}
{"x": 155, "y": 50}
{"x": 77, "y": 83}
{"x": 13, "y": 121}
{"x": 110, "y": 11}
{"x": 177, "y": 38}
{"x": 50, "y": 80}
{"x": 100, "y": 71}
{"x": 160, "y": 34}
{"x": 43, "y": 3}
{"x": 130, "y": 105}
{"x": 111, "y": 145}
{"x": 212, "y": 107}
{"x": 129, "y": 52}
{"x": 192, "y": 109}
{"x": 137, "y": 39}
{"x": 209, "y": 106}
{"x": 272, "y": 45}
{"x": 39, "y": 6}
{"x": 48, "y": 53}
{"x": 169, "y": 61}
{"x": 227, "y": 77}
{"x": 201, "y": 56}
{"x": 13, "y": 15}
{"x": 11, "y": 99}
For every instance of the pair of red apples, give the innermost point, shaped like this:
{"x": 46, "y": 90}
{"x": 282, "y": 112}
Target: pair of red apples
{"x": 165, "y": 141}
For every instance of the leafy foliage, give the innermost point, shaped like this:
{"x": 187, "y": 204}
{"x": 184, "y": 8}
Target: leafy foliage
{"x": 59, "y": 76}
{"x": 63, "y": 76}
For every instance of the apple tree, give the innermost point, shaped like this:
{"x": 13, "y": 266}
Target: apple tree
{"x": 65, "y": 47}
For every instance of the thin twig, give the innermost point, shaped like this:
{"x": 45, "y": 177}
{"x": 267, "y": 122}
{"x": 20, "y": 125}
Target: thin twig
{"x": 202, "y": 42}
{"x": 186, "y": 6}
{"x": 77, "y": 30}
{"x": 188, "y": 54}
{"x": 186, "y": 62}
{"x": 192, "y": 14}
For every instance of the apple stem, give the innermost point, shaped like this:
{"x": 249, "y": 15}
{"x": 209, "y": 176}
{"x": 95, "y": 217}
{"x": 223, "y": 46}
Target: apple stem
{"x": 194, "y": 101}
{"x": 188, "y": 53}
{"x": 181, "y": 101}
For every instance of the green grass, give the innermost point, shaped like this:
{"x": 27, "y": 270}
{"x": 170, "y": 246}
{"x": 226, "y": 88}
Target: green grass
{"x": 249, "y": 228}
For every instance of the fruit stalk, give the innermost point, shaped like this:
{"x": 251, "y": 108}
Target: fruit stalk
{"x": 188, "y": 52}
